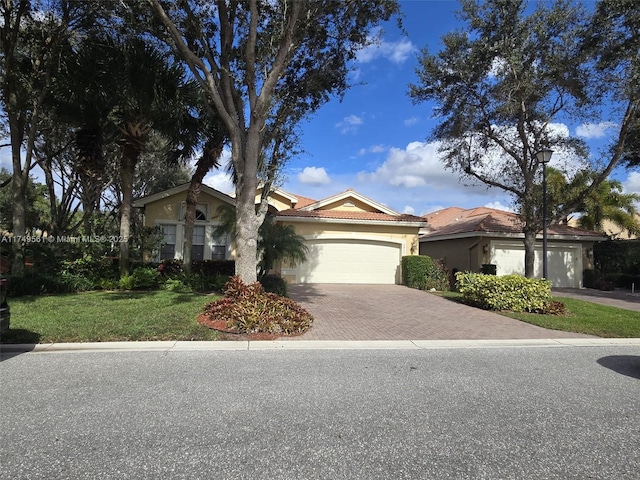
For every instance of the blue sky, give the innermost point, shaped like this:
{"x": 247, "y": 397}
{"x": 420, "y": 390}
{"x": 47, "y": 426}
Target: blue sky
{"x": 374, "y": 141}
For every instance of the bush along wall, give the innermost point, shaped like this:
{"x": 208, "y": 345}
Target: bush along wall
{"x": 424, "y": 273}
{"x": 509, "y": 292}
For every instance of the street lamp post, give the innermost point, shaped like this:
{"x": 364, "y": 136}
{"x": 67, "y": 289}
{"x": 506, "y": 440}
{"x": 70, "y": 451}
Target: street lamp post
{"x": 543, "y": 157}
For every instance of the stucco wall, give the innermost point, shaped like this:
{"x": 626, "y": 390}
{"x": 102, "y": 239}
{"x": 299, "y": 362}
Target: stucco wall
{"x": 407, "y": 236}
{"x": 169, "y": 208}
{"x": 349, "y": 205}
{"x": 464, "y": 254}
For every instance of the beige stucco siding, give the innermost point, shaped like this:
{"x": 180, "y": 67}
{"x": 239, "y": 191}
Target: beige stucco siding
{"x": 169, "y": 208}
{"x": 349, "y": 205}
{"x": 463, "y": 254}
{"x": 406, "y": 236}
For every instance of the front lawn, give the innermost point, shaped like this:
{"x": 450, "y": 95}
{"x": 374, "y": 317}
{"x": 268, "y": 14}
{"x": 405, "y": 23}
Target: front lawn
{"x": 107, "y": 317}
{"x": 584, "y": 317}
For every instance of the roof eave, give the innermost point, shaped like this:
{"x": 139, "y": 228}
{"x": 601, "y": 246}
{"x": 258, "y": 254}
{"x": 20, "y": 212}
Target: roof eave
{"x": 395, "y": 223}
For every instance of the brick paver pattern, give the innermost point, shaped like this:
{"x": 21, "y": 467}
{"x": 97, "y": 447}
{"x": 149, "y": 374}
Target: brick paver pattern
{"x": 396, "y": 312}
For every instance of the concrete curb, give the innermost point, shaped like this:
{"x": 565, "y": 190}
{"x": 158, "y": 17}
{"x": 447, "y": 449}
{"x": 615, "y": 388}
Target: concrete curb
{"x": 178, "y": 346}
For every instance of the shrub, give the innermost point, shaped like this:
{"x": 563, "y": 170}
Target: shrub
{"x": 423, "y": 273}
{"x": 509, "y": 292}
{"x": 176, "y": 285}
{"x": 126, "y": 282}
{"x": 590, "y": 277}
{"x": 145, "y": 278}
{"x": 39, "y": 284}
{"x": 249, "y": 309}
{"x": 274, "y": 284}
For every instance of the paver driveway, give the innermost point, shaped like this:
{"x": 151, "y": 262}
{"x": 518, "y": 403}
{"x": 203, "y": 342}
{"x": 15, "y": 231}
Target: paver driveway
{"x": 395, "y": 312}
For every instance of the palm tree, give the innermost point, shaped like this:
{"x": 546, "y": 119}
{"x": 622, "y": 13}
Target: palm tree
{"x": 606, "y": 203}
{"x": 153, "y": 93}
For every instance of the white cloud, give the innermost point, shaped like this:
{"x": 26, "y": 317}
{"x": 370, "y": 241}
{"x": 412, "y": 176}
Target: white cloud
{"x": 498, "y": 206}
{"x": 408, "y": 209}
{"x": 411, "y": 121}
{"x": 595, "y": 130}
{"x": 417, "y": 165}
{"x": 314, "y": 176}
{"x": 415, "y": 175}
{"x": 349, "y": 124}
{"x": 372, "y": 149}
{"x": 221, "y": 181}
{"x": 632, "y": 183}
{"x": 396, "y": 52}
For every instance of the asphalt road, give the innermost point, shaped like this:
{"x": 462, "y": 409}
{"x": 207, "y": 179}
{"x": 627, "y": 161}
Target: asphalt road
{"x": 491, "y": 413}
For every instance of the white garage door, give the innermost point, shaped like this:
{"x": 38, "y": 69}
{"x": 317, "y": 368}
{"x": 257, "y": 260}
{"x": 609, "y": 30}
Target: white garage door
{"x": 564, "y": 262}
{"x": 350, "y": 261}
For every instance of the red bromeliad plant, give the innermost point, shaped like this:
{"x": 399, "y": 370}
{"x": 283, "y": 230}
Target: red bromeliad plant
{"x": 249, "y": 309}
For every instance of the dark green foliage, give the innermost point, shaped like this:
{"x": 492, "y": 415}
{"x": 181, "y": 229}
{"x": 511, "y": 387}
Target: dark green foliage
{"x": 489, "y": 269}
{"x": 196, "y": 282}
{"x": 274, "y": 284}
{"x": 512, "y": 293}
{"x": 249, "y": 309}
{"x": 205, "y": 267}
{"x": 424, "y": 273}
{"x": 590, "y": 277}
{"x": 39, "y": 284}
{"x": 145, "y": 278}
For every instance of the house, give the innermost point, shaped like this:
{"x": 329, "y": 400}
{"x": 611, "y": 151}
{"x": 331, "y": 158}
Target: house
{"x": 351, "y": 238}
{"x": 167, "y": 210}
{"x": 467, "y": 239}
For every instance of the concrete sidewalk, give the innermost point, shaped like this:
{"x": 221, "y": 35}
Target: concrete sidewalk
{"x": 396, "y": 312}
{"x": 9, "y": 350}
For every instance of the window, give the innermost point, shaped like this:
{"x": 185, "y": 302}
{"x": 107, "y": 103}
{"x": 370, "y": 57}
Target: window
{"x": 168, "y": 250}
{"x": 219, "y": 248}
{"x": 197, "y": 250}
{"x": 201, "y": 211}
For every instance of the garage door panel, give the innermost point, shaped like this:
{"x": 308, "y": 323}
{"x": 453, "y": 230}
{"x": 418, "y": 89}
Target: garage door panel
{"x": 563, "y": 262}
{"x": 350, "y": 261}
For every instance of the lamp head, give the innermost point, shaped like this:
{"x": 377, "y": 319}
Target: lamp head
{"x": 544, "y": 156}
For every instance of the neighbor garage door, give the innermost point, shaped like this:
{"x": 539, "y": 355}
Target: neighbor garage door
{"x": 564, "y": 262}
{"x": 350, "y": 261}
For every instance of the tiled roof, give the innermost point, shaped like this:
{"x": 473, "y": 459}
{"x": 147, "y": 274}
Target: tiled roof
{"x": 303, "y": 201}
{"x": 348, "y": 215}
{"x": 457, "y": 221}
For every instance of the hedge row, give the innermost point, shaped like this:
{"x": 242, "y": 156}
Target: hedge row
{"x": 509, "y": 292}
{"x": 424, "y": 273}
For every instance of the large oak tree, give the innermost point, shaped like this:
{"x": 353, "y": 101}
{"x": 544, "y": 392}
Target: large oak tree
{"x": 264, "y": 65}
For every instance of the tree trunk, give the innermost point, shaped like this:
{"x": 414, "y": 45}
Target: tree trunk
{"x": 529, "y": 252}
{"x": 247, "y": 221}
{"x": 210, "y": 156}
{"x": 18, "y": 192}
{"x": 126, "y": 178}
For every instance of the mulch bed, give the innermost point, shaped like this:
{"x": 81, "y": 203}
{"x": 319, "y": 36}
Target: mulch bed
{"x": 221, "y": 326}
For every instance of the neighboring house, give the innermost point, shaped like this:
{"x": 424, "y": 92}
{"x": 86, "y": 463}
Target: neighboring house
{"x": 611, "y": 229}
{"x": 467, "y": 239}
{"x": 351, "y": 238}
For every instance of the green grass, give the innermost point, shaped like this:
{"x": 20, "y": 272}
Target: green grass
{"x": 584, "y": 317}
{"x": 108, "y": 316}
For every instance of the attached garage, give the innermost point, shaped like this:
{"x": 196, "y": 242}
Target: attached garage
{"x": 564, "y": 261}
{"x": 351, "y": 261}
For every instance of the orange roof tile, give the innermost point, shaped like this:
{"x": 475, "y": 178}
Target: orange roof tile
{"x": 456, "y": 221}
{"x": 348, "y": 215}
